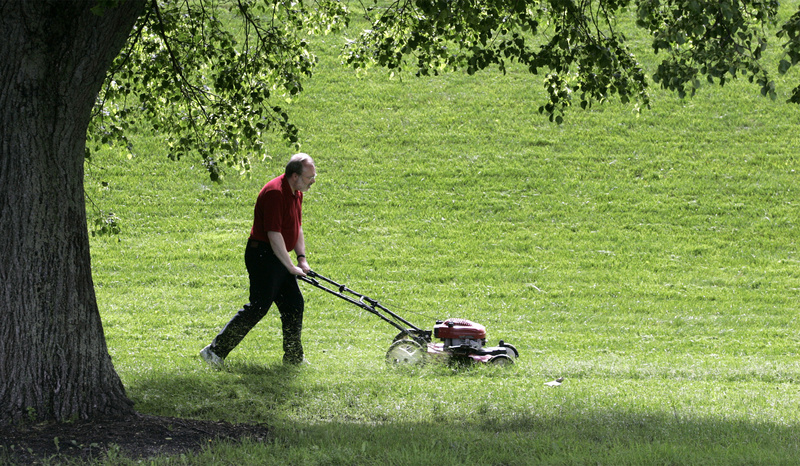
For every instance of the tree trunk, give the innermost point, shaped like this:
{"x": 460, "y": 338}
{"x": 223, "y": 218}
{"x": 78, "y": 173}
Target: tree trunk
{"x": 54, "y": 363}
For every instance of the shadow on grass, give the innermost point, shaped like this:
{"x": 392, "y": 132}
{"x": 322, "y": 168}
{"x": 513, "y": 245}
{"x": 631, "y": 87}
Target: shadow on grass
{"x": 593, "y": 438}
{"x": 241, "y": 392}
{"x": 571, "y": 433}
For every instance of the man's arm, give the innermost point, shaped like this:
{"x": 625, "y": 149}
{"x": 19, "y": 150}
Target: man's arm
{"x": 300, "y": 250}
{"x": 279, "y": 248}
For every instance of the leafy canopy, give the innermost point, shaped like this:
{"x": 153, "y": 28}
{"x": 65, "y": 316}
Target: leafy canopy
{"x": 207, "y": 73}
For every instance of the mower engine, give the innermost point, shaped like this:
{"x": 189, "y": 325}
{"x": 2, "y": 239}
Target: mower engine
{"x": 460, "y": 334}
{"x": 464, "y": 338}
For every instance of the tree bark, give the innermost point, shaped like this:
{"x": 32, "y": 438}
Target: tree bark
{"x": 54, "y": 363}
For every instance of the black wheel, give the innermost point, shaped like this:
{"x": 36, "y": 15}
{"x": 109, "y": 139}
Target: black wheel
{"x": 402, "y": 336}
{"x": 405, "y": 352}
{"x": 501, "y": 360}
{"x": 411, "y": 336}
{"x": 512, "y": 347}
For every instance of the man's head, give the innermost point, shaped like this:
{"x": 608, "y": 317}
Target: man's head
{"x": 301, "y": 172}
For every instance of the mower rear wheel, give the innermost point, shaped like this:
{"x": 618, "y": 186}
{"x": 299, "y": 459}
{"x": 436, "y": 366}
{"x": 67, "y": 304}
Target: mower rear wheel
{"x": 411, "y": 336}
{"x": 405, "y": 352}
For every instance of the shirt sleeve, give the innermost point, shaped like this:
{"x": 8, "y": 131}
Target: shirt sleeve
{"x": 270, "y": 204}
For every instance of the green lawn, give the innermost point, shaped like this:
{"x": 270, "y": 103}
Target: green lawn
{"x": 652, "y": 261}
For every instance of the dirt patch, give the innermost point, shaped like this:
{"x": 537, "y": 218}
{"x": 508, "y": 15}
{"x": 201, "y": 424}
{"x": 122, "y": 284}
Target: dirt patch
{"x": 139, "y": 436}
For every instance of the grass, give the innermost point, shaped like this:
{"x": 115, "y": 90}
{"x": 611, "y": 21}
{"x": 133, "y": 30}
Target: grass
{"x": 650, "y": 260}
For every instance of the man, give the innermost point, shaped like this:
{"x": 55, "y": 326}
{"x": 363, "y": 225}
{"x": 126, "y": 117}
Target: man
{"x": 277, "y": 230}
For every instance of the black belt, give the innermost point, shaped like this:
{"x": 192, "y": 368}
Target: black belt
{"x": 255, "y": 244}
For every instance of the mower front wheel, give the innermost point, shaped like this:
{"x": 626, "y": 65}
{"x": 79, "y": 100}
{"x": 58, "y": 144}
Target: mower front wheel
{"x": 406, "y": 352}
{"x": 511, "y": 347}
{"x": 501, "y": 360}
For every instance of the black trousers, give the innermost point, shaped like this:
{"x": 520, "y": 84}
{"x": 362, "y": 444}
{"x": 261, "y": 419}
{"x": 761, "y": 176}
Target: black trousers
{"x": 269, "y": 282}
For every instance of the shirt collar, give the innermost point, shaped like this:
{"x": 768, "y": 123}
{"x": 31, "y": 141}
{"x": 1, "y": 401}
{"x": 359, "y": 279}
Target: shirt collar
{"x": 286, "y": 187}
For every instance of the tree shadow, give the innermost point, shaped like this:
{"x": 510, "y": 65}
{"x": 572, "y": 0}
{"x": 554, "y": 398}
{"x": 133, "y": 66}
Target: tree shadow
{"x": 575, "y": 434}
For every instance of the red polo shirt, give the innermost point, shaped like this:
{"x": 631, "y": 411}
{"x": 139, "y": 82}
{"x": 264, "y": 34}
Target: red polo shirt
{"x": 277, "y": 209}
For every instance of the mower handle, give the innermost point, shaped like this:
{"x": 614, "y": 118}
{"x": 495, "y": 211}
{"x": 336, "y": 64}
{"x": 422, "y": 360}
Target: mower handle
{"x": 342, "y": 288}
{"x": 370, "y": 305}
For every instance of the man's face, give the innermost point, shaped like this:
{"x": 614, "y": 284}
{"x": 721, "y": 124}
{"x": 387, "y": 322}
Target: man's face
{"x": 308, "y": 178}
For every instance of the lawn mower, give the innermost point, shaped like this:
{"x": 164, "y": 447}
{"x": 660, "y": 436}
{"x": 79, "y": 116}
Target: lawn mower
{"x": 462, "y": 341}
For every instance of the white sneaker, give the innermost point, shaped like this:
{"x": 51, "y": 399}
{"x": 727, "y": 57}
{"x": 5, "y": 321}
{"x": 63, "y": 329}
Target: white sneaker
{"x": 211, "y": 358}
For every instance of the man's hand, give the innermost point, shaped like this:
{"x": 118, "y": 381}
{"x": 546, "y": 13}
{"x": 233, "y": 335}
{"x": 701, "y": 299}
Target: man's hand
{"x": 302, "y": 263}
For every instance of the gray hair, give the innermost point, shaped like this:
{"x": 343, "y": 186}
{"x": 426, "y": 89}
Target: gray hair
{"x": 297, "y": 163}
